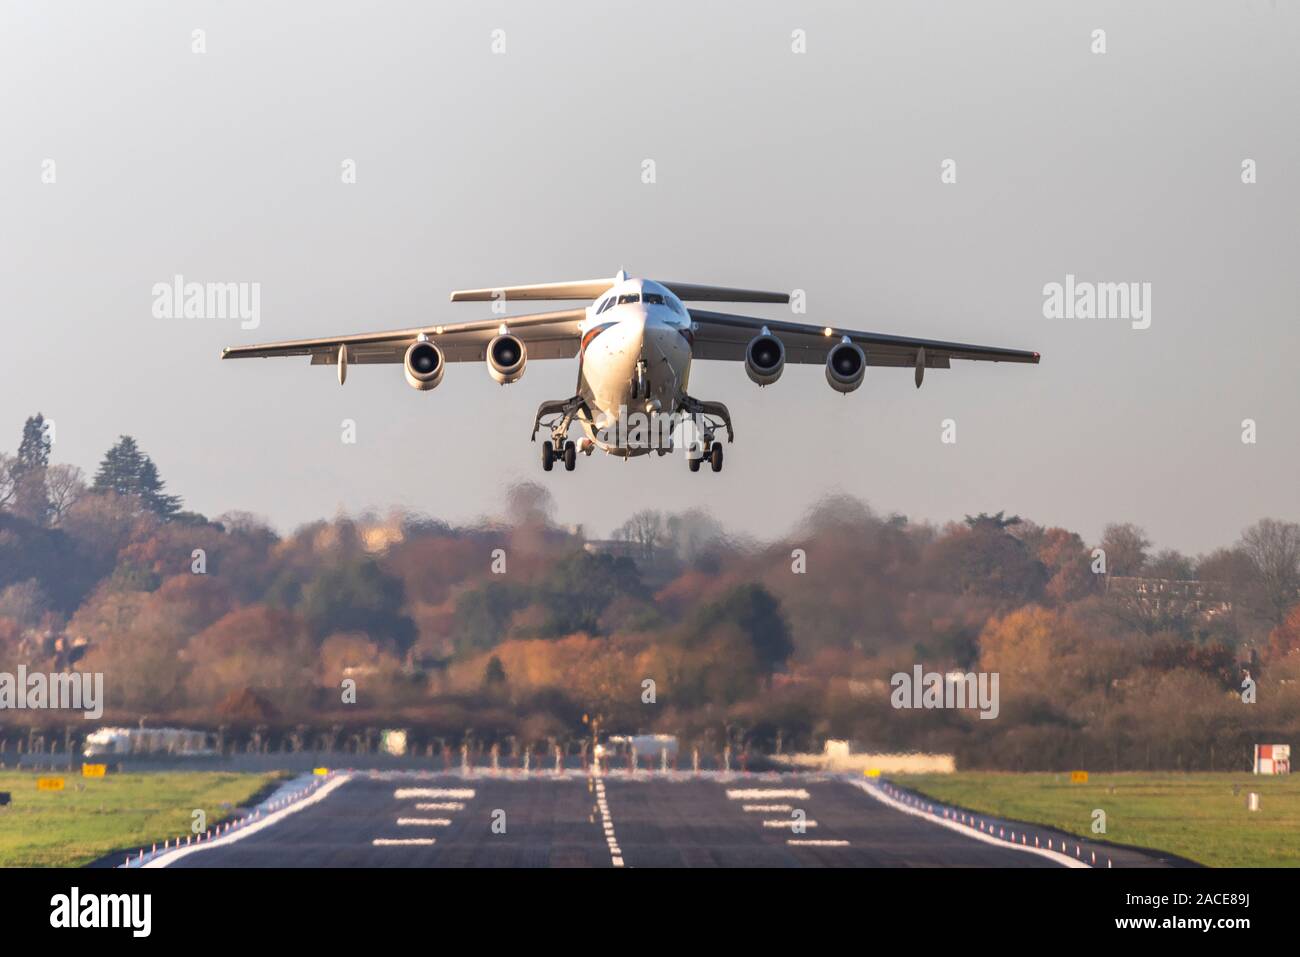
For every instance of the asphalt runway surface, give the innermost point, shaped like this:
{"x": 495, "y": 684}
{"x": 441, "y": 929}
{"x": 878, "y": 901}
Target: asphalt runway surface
{"x": 442, "y": 820}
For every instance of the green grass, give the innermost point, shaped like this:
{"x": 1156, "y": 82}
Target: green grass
{"x": 1196, "y": 816}
{"x": 93, "y": 816}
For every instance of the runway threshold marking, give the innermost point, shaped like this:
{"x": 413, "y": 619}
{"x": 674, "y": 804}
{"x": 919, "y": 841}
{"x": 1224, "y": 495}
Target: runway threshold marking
{"x": 403, "y": 841}
{"x": 757, "y": 794}
{"x": 462, "y": 793}
{"x": 782, "y": 822}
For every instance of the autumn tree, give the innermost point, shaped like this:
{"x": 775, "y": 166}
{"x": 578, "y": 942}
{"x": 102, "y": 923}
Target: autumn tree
{"x": 358, "y": 596}
{"x": 1284, "y": 640}
{"x": 756, "y": 613}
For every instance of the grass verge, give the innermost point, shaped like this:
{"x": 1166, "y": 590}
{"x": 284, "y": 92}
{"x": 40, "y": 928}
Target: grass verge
{"x": 1202, "y": 817}
{"x": 92, "y": 816}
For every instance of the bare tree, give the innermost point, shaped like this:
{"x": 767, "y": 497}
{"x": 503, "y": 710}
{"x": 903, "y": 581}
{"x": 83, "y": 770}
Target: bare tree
{"x": 1126, "y": 549}
{"x": 645, "y": 528}
{"x": 1274, "y": 547}
{"x": 6, "y": 479}
{"x": 64, "y": 485}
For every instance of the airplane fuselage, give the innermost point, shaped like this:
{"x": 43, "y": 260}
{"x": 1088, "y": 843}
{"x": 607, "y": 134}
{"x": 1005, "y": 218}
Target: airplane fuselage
{"x": 634, "y": 360}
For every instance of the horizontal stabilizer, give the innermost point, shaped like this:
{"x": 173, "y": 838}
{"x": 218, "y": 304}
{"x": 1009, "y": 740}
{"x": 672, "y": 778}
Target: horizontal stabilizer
{"x": 591, "y": 289}
{"x": 697, "y": 292}
{"x": 576, "y": 289}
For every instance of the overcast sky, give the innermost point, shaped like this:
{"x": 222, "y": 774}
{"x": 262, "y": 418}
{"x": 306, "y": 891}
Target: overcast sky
{"x": 818, "y": 171}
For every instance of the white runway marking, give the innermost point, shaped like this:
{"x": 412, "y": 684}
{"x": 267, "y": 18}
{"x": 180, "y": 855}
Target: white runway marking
{"x": 797, "y": 842}
{"x": 766, "y": 808}
{"x": 320, "y": 794}
{"x": 463, "y": 793}
{"x": 753, "y": 794}
{"x": 424, "y": 822}
{"x": 876, "y": 792}
{"x": 402, "y": 841}
{"x": 607, "y": 823}
{"x": 441, "y": 806}
{"x": 790, "y": 823}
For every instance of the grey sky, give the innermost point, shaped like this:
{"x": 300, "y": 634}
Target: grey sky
{"x": 818, "y": 171}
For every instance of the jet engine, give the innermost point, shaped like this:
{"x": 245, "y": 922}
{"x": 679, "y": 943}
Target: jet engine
{"x": 424, "y": 365}
{"x": 506, "y": 358}
{"x": 764, "y": 358}
{"x": 846, "y": 364}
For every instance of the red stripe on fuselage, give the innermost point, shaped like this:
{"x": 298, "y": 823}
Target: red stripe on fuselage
{"x": 592, "y": 334}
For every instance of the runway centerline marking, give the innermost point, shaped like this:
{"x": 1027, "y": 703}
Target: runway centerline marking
{"x": 402, "y": 841}
{"x": 798, "y": 842}
{"x": 424, "y": 822}
{"x": 790, "y": 823}
{"x": 441, "y": 806}
{"x": 607, "y": 821}
{"x": 767, "y": 808}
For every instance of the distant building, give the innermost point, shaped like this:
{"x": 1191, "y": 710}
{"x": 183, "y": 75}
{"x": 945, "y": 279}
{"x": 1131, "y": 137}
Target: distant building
{"x": 107, "y": 741}
{"x": 1170, "y": 598}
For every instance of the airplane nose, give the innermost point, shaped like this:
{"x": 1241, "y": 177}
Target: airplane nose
{"x": 628, "y": 336}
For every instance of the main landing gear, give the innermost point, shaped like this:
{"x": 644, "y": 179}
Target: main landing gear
{"x": 561, "y": 414}
{"x": 566, "y": 453}
{"x": 712, "y": 454}
{"x": 712, "y": 416}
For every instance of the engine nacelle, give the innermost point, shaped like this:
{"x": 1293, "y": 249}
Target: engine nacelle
{"x": 424, "y": 364}
{"x": 506, "y": 357}
{"x": 846, "y": 364}
{"x": 765, "y": 359}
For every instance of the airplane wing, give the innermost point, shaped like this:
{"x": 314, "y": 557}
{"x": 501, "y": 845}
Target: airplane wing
{"x": 719, "y": 335}
{"x": 548, "y": 335}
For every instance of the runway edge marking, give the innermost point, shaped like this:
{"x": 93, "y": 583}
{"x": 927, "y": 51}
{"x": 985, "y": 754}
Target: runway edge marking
{"x": 320, "y": 794}
{"x": 885, "y": 799}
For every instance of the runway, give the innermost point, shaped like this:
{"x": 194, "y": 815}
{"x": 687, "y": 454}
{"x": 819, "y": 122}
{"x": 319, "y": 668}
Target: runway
{"x": 371, "y": 819}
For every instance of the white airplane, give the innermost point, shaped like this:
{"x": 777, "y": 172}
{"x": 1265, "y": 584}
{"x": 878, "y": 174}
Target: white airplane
{"x": 634, "y": 344}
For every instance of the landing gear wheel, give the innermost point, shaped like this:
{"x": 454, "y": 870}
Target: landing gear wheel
{"x": 715, "y": 457}
{"x": 570, "y": 456}
{"x": 548, "y": 456}
{"x": 693, "y": 462}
